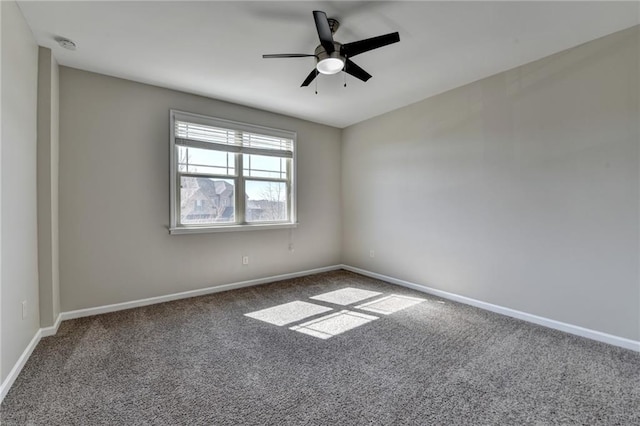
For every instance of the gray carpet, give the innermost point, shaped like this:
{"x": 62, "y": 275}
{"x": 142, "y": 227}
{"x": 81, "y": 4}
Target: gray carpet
{"x": 202, "y": 361}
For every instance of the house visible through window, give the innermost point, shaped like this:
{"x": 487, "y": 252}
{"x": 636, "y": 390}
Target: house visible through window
{"x": 229, "y": 175}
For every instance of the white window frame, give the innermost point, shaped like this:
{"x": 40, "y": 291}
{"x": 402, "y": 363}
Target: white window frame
{"x": 240, "y": 225}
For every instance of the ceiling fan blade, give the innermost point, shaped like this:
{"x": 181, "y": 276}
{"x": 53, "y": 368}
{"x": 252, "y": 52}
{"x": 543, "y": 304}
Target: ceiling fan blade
{"x": 324, "y": 30}
{"x": 309, "y": 78}
{"x": 351, "y": 68}
{"x": 358, "y": 47}
{"x": 287, "y": 55}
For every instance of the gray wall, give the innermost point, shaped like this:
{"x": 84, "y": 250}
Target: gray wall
{"x": 114, "y": 198}
{"x": 18, "y": 231}
{"x": 520, "y": 190}
{"x": 48, "y": 150}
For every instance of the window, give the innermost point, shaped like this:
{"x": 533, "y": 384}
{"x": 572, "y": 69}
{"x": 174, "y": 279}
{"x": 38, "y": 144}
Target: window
{"x": 230, "y": 176}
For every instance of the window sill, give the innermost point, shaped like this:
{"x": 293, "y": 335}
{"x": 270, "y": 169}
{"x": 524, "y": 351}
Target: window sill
{"x": 231, "y": 228}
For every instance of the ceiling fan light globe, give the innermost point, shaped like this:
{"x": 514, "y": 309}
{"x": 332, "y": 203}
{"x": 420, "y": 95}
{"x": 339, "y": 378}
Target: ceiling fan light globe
{"x": 330, "y": 65}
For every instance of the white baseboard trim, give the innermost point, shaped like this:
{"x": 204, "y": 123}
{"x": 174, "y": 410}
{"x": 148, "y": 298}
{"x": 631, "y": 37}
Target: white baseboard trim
{"x": 535, "y": 319}
{"x": 192, "y": 293}
{"x": 53, "y": 329}
{"x": 17, "y": 368}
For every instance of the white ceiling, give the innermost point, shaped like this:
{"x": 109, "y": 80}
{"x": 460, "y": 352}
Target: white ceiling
{"x": 214, "y": 48}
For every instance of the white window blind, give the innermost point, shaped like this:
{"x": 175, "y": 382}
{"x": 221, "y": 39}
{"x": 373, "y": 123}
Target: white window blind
{"x": 198, "y": 135}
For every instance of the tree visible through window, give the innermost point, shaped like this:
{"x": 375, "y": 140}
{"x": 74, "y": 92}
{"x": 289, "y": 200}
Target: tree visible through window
{"x": 227, "y": 173}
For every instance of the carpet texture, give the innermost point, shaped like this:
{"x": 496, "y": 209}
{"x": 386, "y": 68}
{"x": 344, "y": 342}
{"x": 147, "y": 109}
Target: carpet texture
{"x": 201, "y": 361}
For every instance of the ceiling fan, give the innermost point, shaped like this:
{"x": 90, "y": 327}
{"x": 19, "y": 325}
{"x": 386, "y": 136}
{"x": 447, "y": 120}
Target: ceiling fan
{"x": 332, "y": 56}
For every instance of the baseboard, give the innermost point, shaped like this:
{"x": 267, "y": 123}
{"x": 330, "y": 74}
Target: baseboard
{"x": 51, "y": 330}
{"x": 187, "y": 294}
{"x": 17, "y": 368}
{"x": 535, "y": 319}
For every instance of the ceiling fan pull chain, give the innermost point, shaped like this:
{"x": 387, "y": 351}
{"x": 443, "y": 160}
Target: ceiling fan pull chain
{"x": 316, "y": 81}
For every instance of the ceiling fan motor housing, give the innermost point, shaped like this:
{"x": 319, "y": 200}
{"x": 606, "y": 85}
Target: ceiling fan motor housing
{"x": 321, "y": 53}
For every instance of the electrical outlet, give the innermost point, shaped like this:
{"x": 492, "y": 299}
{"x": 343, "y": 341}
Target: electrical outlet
{"x": 245, "y": 260}
{"x": 24, "y": 309}
{"x": 372, "y": 253}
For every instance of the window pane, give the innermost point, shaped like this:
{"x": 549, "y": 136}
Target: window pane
{"x": 206, "y": 200}
{"x": 266, "y": 201}
{"x": 264, "y": 166}
{"x": 196, "y": 160}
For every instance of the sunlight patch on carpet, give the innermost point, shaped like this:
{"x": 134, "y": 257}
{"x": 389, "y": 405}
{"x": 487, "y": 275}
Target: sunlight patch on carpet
{"x": 333, "y": 324}
{"x": 288, "y": 312}
{"x": 390, "y": 304}
{"x": 346, "y": 296}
